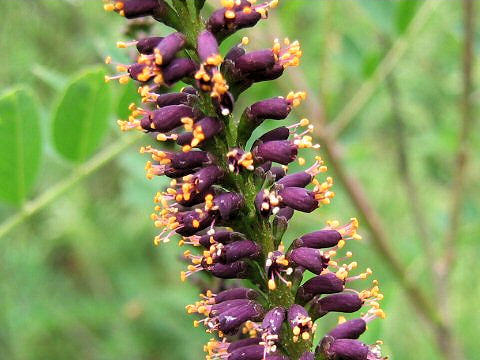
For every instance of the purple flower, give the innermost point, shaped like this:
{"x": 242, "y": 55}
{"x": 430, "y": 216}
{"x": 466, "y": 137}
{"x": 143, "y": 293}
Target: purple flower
{"x": 319, "y": 239}
{"x": 327, "y": 283}
{"x": 147, "y": 45}
{"x": 132, "y": 9}
{"x": 280, "y": 151}
{"x": 299, "y": 199}
{"x": 311, "y": 259}
{"x": 173, "y": 99}
{"x": 347, "y": 302}
{"x": 273, "y": 320}
{"x": 178, "y": 69}
{"x": 208, "y": 49}
{"x": 166, "y": 118}
{"x": 300, "y": 322}
{"x": 307, "y": 356}
{"x": 167, "y": 48}
{"x": 255, "y": 61}
{"x": 350, "y": 329}
{"x": 238, "y": 250}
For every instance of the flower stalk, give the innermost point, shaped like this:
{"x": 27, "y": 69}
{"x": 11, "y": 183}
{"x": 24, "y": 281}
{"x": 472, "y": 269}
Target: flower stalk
{"x": 231, "y": 205}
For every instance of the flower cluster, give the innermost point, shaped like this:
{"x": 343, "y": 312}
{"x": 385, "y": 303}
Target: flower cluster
{"x": 231, "y": 204}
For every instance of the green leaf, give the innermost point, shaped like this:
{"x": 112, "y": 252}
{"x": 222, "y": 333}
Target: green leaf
{"x": 81, "y": 117}
{"x": 128, "y": 95}
{"x": 20, "y": 145}
{"x": 404, "y": 13}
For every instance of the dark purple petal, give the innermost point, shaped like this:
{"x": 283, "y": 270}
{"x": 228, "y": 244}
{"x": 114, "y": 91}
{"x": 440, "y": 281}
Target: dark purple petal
{"x": 278, "y": 172}
{"x": 209, "y": 127}
{"x": 185, "y": 138}
{"x": 234, "y": 53}
{"x": 322, "y": 284}
{"x": 207, "y": 46}
{"x": 207, "y": 176}
{"x": 228, "y": 204}
{"x": 311, "y": 259}
{"x": 286, "y": 212}
{"x": 255, "y": 61}
{"x": 350, "y": 329}
{"x": 190, "y": 159}
{"x": 346, "y": 302}
{"x": 251, "y": 352}
{"x": 245, "y": 19}
{"x": 227, "y": 305}
{"x": 240, "y": 249}
{"x": 267, "y": 74}
{"x": 188, "y": 219}
{"x": 168, "y": 47}
{"x": 273, "y": 320}
{"x": 299, "y": 179}
{"x": 276, "y": 108}
{"x": 230, "y": 320}
{"x": 146, "y": 45}
{"x": 169, "y": 117}
{"x": 280, "y": 151}
{"x": 242, "y": 343}
{"x": 348, "y": 349}
{"x": 136, "y": 70}
{"x": 178, "y": 69}
{"x": 299, "y": 199}
{"x": 172, "y": 99}
{"x": 220, "y": 236}
{"x": 236, "y": 270}
{"x": 236, "y": 293}
{"x": 280, "y": 133}
{"x": 319, "y": 239}
{"x": 139, "y": 8}
{"x": 295, "y": 311}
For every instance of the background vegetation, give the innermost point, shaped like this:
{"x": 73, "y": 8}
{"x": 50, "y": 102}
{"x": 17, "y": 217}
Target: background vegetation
{"x": 390, "y": 91}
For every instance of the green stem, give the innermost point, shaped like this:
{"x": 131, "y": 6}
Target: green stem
{"x": 251, "y": 224}
{"x": 77, "y": 175}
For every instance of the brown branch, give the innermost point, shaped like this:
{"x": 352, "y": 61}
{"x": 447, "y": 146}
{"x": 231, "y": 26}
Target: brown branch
{"x": 448, "y": 261}
{"x": 405, "y": 174}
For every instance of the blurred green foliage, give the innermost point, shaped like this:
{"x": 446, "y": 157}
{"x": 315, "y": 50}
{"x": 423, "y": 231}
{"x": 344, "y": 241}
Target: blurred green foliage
{"x": 81, "y": 279}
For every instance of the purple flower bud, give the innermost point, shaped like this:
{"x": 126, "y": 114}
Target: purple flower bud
{"x": 273, "y": 320}
{"x": 135, "y": 70}
{"x": 307, "y": 356}
{"x": 228, "y": 204}
{"x": 234, "y": 53}
{"x": 319, "y": 239}
{"x": 189, "y": 90}
{"x": 168, "y": 117}
{"x": 255, "y": 61}
{"x": 173, "y": 173}
{"x": 236, "y": 293}
{"x": 207, "y": 176}
{"x": 219, "y": 308}
{"x": 146, "y": 45}
{"x": 280, "y": 133}
{"x": 190, "y": 159}
{"x": 240, "y": 249}
{"x": 251, "y": 352}
{"x": 230, "y": 320}
{"x": 245, "y": 19}
{"x": 299, "y": 199}
{"x": 322, "y": 284}
{"x": 221, "y": 236}
{"x": 348, "y": 349}
{"x": 208, "y": 48}
{"x": 286, "y": 212}
{"x": 276, "y": 108}
{"x": 192, "y": 221}
{"x": 311, "y": 259}
{"x": 350, "y": 329}
{"x": 216, "y": 22}
{"x": 178, "y": 69}
{"x": 294, "y": 313}
{"x": 299, "y": 179}
{"x": 278, "y": 172}
{"x": 207, "y": 128}
{"x": 280, "y": 151}
{"x": 242, "y": 343}
{"x": 346, "y": 302}
{"x": 167, "y": 48}
{"x": 185, "y": 138}
{"x": 267, "y": 74}
{"x": 172, "y": 99}
{"x": 139, "y": 8}
{"x": 236, "y": 270}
